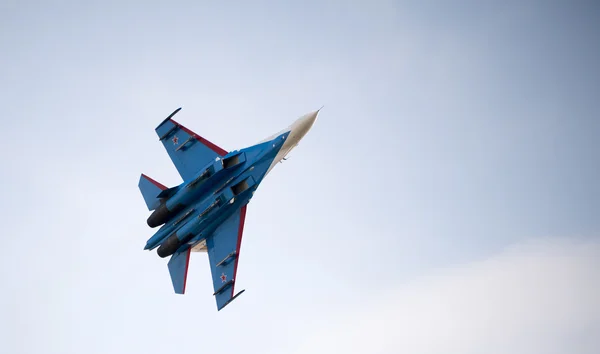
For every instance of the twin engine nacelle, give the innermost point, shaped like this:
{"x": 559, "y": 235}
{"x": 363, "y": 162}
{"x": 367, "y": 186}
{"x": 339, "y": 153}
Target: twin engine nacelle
{"x": 169, "y": 246}
{"x": 162, "y": 214}
{"x": 175, "y": 199}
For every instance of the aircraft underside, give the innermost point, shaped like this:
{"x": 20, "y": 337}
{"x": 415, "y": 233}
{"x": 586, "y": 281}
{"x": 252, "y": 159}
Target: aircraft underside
{"x": 206, "y": 213}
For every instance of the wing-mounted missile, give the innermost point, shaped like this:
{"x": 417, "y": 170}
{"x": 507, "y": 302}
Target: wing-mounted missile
{"x": 167, "y": 119}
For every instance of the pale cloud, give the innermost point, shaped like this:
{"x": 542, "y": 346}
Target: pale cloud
{"x": 541, "y": 296}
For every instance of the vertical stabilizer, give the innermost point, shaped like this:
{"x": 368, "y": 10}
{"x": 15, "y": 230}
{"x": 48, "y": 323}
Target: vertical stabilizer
{"x": 178, "y": 268}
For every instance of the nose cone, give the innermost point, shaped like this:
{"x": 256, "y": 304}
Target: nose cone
{"x": 304, "y": 123}
{"x": 296, "y": 131}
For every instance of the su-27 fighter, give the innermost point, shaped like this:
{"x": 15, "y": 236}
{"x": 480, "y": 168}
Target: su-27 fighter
{"x": 206, "y": 212}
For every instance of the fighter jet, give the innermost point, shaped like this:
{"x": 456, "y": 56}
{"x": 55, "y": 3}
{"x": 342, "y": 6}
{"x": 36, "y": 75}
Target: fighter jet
{"x": 206, "y": 212}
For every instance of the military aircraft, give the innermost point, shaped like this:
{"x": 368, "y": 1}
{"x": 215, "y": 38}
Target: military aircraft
{"x": 206, "y": 212}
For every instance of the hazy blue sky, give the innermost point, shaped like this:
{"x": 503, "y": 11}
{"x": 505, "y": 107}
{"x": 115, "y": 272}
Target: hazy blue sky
{"x": 446, "y": 201}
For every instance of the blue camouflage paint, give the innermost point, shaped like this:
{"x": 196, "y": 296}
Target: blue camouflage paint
{"x": 210, "y": 204}
{"x": 150, "y": 190}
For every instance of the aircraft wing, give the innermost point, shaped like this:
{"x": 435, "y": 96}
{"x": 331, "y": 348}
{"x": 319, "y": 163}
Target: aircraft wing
{"x": 188, "y": 150}
{"x": 223, "y": 254}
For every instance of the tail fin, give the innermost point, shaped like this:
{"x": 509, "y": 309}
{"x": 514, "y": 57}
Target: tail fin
{"x": 150, "y": 190}
{"x": 178, "y": 269}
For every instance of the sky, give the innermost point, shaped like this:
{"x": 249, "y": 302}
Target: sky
{"x": 446, "y": 199}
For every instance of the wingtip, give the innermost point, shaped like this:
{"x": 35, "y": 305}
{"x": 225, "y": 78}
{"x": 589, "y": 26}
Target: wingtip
{"x": 230, "y": 300}
{"x": 169, "y": 117}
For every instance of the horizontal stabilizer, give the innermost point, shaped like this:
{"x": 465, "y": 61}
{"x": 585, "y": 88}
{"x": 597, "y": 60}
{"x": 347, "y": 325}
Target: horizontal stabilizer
{"x": 150, "y": 191}
{"x": 178, "y": 268}
{"x": 230, "y": 300}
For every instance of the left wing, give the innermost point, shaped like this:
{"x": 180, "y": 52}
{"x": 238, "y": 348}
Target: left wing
{"x": 188, "y": 150}
{"x": 223, "y": 248}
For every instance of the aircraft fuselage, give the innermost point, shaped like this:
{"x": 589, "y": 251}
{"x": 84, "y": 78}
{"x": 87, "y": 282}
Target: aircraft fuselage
{"x": 199, "y": 205}
{"x": 206, "y": 212}
{"x": 191, "y": 211}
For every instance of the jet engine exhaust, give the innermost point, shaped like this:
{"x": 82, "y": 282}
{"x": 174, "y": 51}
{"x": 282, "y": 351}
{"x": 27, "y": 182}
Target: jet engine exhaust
{"x": 162, "y": 214}
{"x": 169, "y": 247}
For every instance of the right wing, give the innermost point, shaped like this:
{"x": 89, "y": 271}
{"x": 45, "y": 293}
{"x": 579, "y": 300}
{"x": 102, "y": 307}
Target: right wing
{"x": 188, "y": 150}
{"x": 223, "y": 252}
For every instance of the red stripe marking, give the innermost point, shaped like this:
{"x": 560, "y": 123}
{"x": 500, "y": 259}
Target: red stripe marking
{"x": 239, "y": 244}
{"x": 210, "y": 145}
{"x": 159, "y": 185}
{"x": 187, "y": 265}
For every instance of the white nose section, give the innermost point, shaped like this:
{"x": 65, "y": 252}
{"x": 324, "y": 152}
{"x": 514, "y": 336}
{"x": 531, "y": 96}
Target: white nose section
{"x": 297, "y": 130}
{"x": 302, "y": 125}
